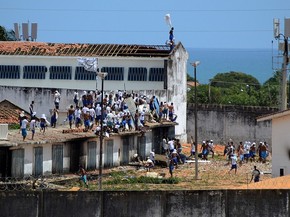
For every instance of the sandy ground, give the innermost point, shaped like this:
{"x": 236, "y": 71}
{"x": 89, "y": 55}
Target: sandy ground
{"x": 213, "y": 174}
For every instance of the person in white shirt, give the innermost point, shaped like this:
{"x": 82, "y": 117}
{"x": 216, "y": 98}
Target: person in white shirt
{"x": 92, "y": 116}
{"x": 56, "y": 99}
{"x": 234, "y": 160}
{"x": 152, "y": 156}
{"x": 24, "y": 123}
{"x": 164, "y": 145}
{"x": 149, "y": 164}
{"x": 247, "y": 150}
{"x": 32, "y": 127}
{"x": 98, "y": 111}
{"x": 171, "y": 145}
{"x": 78, "y": 113}
{"x": 110, "y": 119}
{"x": 85, "y": 109}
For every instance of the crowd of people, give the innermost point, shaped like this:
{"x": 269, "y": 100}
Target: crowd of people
{"x": 235, "y": 154}
{"x": 116, "y": 116}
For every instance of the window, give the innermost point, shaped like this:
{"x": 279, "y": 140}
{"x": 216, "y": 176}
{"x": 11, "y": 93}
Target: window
{"x": 137, "y": 74}
{"x": 34, "y": 72}
{"x": 114, "y": 73}
{"x": 156, "y": 74}
{"x": 60, "y": 72}
{"x": 82, "y": 74}
{"x": 9, "y": 72}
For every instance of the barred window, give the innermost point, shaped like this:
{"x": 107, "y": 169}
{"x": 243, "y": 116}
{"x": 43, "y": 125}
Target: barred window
{"x": 82, "y": 74}
{"x": 60, "y": 72}
{"x": 34, "y": 72}
{"x": 9, "y": 72}
{"x": 114, "y": 73}
{"x": 137, "y": 74}
{"x": 156, "y": 74}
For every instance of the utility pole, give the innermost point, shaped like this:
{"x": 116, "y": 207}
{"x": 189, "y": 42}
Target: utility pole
{"x": 277, "y": 35}
{"x": 284, "y": 76}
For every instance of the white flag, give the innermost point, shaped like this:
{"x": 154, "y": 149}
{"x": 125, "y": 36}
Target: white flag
{"x": 168, "y": 20}
{"x": 90, "y": 64}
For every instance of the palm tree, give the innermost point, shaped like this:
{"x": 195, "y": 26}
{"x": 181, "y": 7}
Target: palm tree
{"x": 6, "y": 35}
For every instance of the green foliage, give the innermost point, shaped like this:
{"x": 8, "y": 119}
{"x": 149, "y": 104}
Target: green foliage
{"x": 13, "y": 126}
{"x": 237, "y": 88}
{"x": 6, "y": 35}
{"x": 229, "y": 79}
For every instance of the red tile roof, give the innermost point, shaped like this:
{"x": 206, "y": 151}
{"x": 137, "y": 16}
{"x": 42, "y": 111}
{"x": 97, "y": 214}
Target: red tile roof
{"x": 9, "y": 112}
{"x": 58, "y": 49}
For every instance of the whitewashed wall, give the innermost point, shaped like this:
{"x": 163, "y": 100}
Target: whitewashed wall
{"x": 280, "y": 145}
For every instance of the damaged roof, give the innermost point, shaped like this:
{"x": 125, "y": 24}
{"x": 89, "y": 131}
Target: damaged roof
{"x": 9, "y": 112}
{"x": 102, "y": 50}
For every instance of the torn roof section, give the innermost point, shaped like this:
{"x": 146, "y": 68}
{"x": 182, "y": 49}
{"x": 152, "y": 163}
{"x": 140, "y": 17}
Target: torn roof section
{"x": 61, "y": 49}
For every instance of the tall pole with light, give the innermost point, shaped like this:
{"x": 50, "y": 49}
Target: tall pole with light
{"x": 195, "y": 64}
{"x": 102, "y": 75}
{"x": 91, "y": 64}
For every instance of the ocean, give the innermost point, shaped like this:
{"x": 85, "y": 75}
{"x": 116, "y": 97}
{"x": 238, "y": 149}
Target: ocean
{"x": 255, "y": 62}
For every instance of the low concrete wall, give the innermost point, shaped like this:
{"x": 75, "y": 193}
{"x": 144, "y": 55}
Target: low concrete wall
{"x": 218, "y": 203}
{"x": 222, "y": 123}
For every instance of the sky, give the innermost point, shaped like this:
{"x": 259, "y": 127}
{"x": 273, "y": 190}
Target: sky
{"x": 197, "y": 24}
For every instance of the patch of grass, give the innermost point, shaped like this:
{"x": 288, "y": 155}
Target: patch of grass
{"x": 141, "y": 180}
{"x": 13, "y": 127}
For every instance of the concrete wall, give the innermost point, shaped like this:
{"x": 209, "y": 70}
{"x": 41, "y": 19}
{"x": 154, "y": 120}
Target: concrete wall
{"x": 222, "y": 123}
{"x": 219, "y": 203}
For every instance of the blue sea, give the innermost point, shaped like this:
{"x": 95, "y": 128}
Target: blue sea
{"x": 255, "y": 62}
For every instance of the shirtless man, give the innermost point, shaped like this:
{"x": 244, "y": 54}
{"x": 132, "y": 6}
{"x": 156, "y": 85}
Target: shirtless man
{"x": 70, "y": 115}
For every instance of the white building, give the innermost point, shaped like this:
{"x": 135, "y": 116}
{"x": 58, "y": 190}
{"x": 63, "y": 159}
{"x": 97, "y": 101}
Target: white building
{"x": 32, "y": 71}
{"x": 280, "y": 142}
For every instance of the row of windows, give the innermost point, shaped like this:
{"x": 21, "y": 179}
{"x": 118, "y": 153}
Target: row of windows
{"x": 34, "y": 72}
{"x": 9, "y": 72}
{"x": 82, "y": 74}
{"x": 65, "y": 73}
{"x": 114, "y": 73}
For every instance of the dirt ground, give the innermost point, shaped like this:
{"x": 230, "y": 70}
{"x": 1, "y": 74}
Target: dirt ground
{"x": 213, "y": 174}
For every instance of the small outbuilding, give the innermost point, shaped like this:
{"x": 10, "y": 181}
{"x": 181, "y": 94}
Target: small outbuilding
{"x": 280, "y": 141}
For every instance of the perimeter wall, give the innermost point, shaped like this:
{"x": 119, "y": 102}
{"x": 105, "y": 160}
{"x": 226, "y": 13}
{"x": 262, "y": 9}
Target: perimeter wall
{"x": 220, "y": 203}
{"x": 222, "y": 123}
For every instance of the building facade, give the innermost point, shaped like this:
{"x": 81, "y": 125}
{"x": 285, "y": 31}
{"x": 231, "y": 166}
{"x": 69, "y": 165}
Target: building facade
{"x": 280, "y": 141}
{"x": 32, "y": 71}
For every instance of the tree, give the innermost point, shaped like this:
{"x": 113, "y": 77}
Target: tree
{"x": 237, "y": 88}
{"x": 229, "y": 79}
{"x": 6, "y": 35}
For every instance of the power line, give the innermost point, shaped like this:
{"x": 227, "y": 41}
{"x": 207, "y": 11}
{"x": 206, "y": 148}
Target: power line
{"x": 153, "y": 31}
{"x": 145, "y": 10}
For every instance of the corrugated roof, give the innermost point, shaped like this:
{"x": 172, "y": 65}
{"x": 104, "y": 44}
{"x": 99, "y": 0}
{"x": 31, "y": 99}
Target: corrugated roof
{"x": 86, "y": 50}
